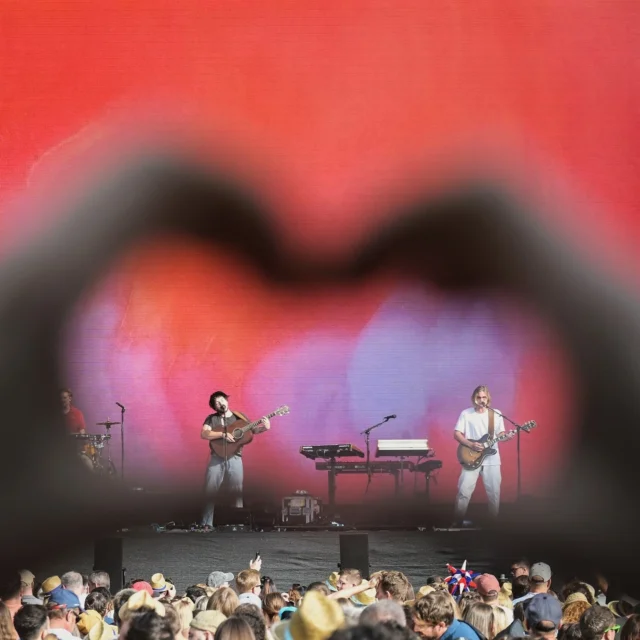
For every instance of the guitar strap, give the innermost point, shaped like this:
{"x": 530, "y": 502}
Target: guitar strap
{"x": 491, "y": 423}
{"x": 240, "y": 416}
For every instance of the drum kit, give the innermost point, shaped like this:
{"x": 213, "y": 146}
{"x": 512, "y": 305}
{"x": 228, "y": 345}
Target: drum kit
{"x": 90, "y": 450}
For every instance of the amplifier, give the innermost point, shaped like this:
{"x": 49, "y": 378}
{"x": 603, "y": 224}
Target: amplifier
{"x": 300, "y": 509}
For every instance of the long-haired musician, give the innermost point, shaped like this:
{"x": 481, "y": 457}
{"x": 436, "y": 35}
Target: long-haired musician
{"x": 473, "y": 424}
{"x": 218, "y": 426}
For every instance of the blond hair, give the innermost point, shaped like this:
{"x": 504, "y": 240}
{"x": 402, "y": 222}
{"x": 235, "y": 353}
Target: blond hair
{"x": 477, "y": 390}
{"x": 480, "y": 616}
{"x": 500, "y": 619}
{"x": 247, "y": 580}
{"x": 224, "y": 600}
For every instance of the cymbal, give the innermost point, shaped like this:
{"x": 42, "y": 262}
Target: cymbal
{"x": 107, "y": 423}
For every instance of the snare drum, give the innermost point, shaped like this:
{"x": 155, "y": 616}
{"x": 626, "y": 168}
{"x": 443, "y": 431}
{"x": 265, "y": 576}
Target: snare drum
{"x": 89, "y": 450}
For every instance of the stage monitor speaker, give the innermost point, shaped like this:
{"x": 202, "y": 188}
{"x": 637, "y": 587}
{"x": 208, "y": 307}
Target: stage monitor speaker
{"x": 107, "y": 556}
{"x": 354, "y": 552}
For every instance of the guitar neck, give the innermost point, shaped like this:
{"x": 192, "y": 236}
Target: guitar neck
{"x": 255, "y": 423}
{"x": 500, "y": 438}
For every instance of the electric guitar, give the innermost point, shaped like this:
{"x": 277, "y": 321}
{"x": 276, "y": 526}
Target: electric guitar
{"x": 471, "y": 459}
{"x": 241, "y": 430}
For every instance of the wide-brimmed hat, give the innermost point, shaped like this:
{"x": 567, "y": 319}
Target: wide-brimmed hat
{"x": 575, "y": 597}
{"x": 158, "y": 583}
{"x": 87, "y": 620}
{"x": 208, "y": 621}
{"x": 623, "y": 607}
{"x": 140, "y": 600}
{"x": 316, "y": 619}
{"x": 102, "y": 631}
{"x": 364, "y": 598}
{"x": 332, "y": 581}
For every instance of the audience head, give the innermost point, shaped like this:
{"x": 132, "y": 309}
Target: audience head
{"x": 467, "y": 599}
{"x": 26, "y": 582}
{"x": 224, "y": 600}
{"x": 598, "y": 623}
{"x": 271, "y": 605}
{"x": 217, "y": 579}
{"x": 480, "y": 616}
{"x": 578, "y": 587}
{"x": 268, "y": 586}
{"x": 631, "y": 628}
{"x": 520, "y": 586}
{"x": 383, "y": 631}
{"x": 543, "y": 615}
{"x": 520, "y": 568}
{"x": 570, "y": 632}
{"x": 394, "y": 585}
{"x": 433, "y": 615}
{"x": 73, "y": 581}
{"x": 96, "y": 601}
{"x": 319, "y": 586}
{"x": 348, "y": 578}
{"x": 31, "y": 622}
{"x": 149, "y": 625}
{"x": 118, "y": 601}
{"x": 234, "y": 628}
{"x": 488, "y": 587}
{"x": 194, "y": 592}
{"x": 383, "y": 611}
{"x": 500, "y": 619}
{"x": 205, "y": 624}
{"x": 254, "y": 618}
{"x": 10, "y": 586}
{"x": 248, "y": 581}
{"x": 99, "y": 579}
{"x": 540, "y": 577}
{"x": 316, "y": 619}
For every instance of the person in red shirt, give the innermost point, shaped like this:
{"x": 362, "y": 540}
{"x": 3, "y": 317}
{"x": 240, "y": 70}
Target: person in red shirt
{"x": 72, "y": 415}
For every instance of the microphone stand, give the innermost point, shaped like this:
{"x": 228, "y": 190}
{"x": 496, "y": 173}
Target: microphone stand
{"x": 518, "y": 429}
{"x": 367, "y": 435}
{"x": 122, "y": 443}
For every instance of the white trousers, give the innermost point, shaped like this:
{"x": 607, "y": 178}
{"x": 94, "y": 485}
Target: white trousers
{"x": 491, "y": 478}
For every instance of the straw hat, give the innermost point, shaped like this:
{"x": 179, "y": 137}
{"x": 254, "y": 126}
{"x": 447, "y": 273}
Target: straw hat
{"x": 87, "y": 620}
{"x": 316, "y": 619}
{"x": 140, "y": 600}
{"x": 365, "y": 598}
{"x": 158, "y": 583}
{"x": 575, "y": 597}
{"x": 103, "y": 631}
{"x": 50, "y": 584}
{"x": 332, "y": 581}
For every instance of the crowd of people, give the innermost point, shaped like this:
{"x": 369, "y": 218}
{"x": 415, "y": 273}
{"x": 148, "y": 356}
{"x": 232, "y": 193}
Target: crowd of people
{"x": 249, "y": 606}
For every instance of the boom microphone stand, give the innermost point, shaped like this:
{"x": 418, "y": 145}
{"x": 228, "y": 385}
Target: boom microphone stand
{"x": 518, "y": 429}
{"x": 367, "y": 436}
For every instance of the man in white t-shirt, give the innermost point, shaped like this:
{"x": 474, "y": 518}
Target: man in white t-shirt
{"x": 472, "y": 425}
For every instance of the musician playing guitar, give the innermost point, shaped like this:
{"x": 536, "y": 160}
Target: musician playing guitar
{"x": 226, "y": 460}
{"x": 473, "y": 424}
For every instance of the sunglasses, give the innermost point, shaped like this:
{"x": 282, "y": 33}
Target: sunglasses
{"x": 615, "y": 627}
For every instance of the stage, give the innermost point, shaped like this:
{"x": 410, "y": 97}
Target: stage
{"x": 288, "y": 556}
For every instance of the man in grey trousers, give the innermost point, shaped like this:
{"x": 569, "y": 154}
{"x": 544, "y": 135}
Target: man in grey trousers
{"x": 219, "y": 426}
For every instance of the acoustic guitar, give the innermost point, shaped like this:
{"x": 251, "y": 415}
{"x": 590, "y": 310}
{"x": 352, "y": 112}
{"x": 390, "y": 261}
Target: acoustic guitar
{"x": 471, "y": 459}
{"x": 242, "y": 431}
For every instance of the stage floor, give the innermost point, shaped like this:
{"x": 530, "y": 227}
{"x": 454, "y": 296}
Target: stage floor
{"x": 288, "y": 556}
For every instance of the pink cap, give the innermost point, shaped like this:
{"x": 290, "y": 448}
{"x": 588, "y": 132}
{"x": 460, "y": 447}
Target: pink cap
{"x": 487, "y": 583}
{"x": 142, "y": 586}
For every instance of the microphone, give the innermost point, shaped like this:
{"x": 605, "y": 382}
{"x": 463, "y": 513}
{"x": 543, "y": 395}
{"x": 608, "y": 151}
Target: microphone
{"x": 390, "y": 417}
{"x": 120, "y": 405}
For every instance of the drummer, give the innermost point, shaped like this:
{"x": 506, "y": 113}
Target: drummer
{"x": 72, "y": 415}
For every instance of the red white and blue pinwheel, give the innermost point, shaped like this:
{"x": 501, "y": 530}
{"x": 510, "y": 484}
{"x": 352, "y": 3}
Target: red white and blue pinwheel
{"x": 460, "y": 580}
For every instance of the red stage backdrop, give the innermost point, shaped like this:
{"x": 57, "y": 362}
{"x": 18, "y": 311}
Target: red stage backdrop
{"x": 331, "y": 102}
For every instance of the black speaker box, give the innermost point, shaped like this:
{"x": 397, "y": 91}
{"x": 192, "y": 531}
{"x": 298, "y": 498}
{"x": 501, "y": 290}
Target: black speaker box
{"x": 107, "y": 556}
{"x": 354, "y": 552}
